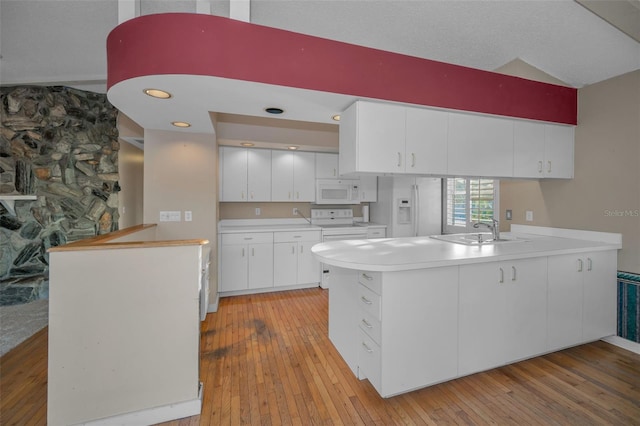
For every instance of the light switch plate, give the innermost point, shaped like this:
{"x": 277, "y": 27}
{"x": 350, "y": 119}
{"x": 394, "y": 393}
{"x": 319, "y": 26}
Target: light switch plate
{"x": 509, "y": 214}
{"x": 528, "y": 216}
{"x": 170, "y": 216}
{"x": 187, "y": 216}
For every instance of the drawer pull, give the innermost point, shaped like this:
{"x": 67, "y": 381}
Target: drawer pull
{"x": 501, "y": 275}
{"x": 580, "y": 265}
{"x": 539, "y": 166}
{"x": 367, "y": 348}
{"x": 365, "y": 300}
{"x": 248, "y": 238}
{"x": 301, "y": 249}
{"x": 513, "y": 273}
{"x": 367, "y": 277}
{"x": 366, "y": 323}
{"x": 297, "y": 236}
{"x": 589, "y": 264}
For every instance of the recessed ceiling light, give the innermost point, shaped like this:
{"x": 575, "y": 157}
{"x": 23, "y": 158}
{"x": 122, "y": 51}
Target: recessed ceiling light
{"x": 181, "y": 124}
{"x": 157, "y": 93}
{"x": 292, "y": 147}
{"x": 247, "y": 144}
{"x": 274, "y": 110}
{"x": 336, "y": 117}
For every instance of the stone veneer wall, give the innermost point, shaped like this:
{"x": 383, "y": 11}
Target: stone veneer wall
{"x": 60, "y": 144}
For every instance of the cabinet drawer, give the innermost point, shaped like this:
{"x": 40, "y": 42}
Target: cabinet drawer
{"x": 370, "y": 325}
{"x": 248, "y": 238}
{"x": 293, "y": 236}
{"x": 376, "y": 233}
{"x": 369, "y": 302}
{"x": 372, "y": 280}
{"x": 369, "y": 360}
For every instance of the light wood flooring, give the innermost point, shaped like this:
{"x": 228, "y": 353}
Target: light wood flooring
{"x": 266, "y": 359}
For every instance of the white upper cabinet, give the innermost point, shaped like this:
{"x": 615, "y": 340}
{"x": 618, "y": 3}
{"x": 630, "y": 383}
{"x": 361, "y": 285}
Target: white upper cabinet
{"x": 480, "y": 146}
{"x": 293, "y": 176}
{"x": 368, "y": 188}
{"x": 385, "y": 138}
{"x": 259, "y": 174}
{"x": 372, "y": 138}
{"x": 543, "y": 150}
{"x": 245, "y": 174}
{"x": 426, "y": 141}
{"x": 326, "y": 166}
{"x": 233, "y": 174}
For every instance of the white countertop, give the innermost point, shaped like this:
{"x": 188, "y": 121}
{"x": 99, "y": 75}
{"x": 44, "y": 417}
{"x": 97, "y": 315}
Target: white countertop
{"x": 399, "y": 254}
{"x": 237, "y": 226}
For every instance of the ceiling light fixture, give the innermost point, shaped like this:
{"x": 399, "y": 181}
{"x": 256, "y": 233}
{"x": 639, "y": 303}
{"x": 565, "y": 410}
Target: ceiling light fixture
{"x": 293, "y": 148}
{"x": 181, "y": 124}
{"x": 247, "y": 144}
{"x": 336, "y": 117}
{"x": 274, "y": 110}
{"x": 157, "y": 93}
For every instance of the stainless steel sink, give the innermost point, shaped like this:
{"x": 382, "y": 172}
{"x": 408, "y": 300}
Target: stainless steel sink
{"x": 477, "y": 239}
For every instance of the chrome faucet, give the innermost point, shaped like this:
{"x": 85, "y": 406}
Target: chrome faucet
{"x": 493, "y": 226}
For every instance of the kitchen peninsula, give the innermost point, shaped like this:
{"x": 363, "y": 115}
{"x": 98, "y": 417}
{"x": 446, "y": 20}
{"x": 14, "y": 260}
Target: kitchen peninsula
{"x": 407, "y": 313}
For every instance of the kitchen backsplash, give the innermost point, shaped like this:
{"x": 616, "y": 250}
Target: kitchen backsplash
{"x": 273, "y": 210}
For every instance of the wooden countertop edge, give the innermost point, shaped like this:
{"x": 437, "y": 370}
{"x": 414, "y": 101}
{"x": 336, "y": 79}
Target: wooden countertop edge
{"x": 101, "y": 242}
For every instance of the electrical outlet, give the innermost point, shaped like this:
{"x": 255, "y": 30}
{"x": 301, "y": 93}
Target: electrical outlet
{"x": 528, "y": 216}
{"x": 258, "y": 211}
{"x": 295, "y": 211}
{"x": 509, "y": 214}
{"x": 187, "y": 216}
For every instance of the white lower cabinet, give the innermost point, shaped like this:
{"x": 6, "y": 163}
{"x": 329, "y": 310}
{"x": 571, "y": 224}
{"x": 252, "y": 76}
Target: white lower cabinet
{"x": 293, "y": 261}
{"x": 406, "y": 328}
{"x": 502, "y": 313}
{"x": 582, "y": 298}
{"x": 246, "y": 261}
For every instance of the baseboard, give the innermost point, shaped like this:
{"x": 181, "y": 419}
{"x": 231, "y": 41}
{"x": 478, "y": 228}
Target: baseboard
{"x": 154, "y": 415}
{"x": 213, "y": 307}
{"x": 623, "y": 343}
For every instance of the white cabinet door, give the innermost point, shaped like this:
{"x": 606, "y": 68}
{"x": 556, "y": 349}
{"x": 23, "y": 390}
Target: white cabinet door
{"x": 600, "y": 293}
{"x": 343, "y": 331}
{"x": 368, "y": 188}
{"x": 482, "y": 317}
{"x": 526, "y": 311}
{"x": 233, "y": 174}
{"x": 565, "y": 301}
{"x": 304, "y": 176}
{"x": 480, "y": 146}
{"x": 559, "y": 143}
{"x": 528, "y": 149}
{"x": 426, "y": 141}
{"x": 260, "y": 271}
{"x": 233, "y": 276}
{"x": 308, "y": 266}
{"x": 372, "y": 138}
{"x": 281, "y": 176}
{"x": 326, "y": 166}
{"x": 285, "y": 264}
{"x": 259, "y": 175}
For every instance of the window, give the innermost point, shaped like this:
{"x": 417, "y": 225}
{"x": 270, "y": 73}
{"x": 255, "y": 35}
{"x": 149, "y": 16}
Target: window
{"x": 467, "y": 201}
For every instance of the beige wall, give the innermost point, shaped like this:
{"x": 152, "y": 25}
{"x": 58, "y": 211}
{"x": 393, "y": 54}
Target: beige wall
{"x": 131, "y": 170}
{"x": 180, "y": 174}
{"x": 607, "y": 172}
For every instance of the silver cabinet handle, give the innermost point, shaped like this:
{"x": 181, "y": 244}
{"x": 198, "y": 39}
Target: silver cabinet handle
{"x": 248, "y": 238}
{"x": 297, "y": 195}
{"x": 366, "y": 323}
{"x": 589, "y": 264}
{"x": 365, "y": 300}
{"x": 301, "y": 249}
{"x": 367, "y": 277}
{"x": 399, "y": 160}
{"x": 252, "y": 195}
{"x": 242, "y": 195}
{"x": 297, "y": 236}
{"x": 501, "y": 275}
{"x": 243, "y": 252}
{"x": 289, "y": 195}
{"x": 540, "y": 166}
{"x": 579, "y": 265}
{"x": 513, "y": 273}
{"x": 548, "y": 166}
{"x": 366, "y": 348}
{"x": 413, "y": 159}
{"x": 334, "y": 172}
{"x": 293, "y": 249}
{"x": 253, "y": 251}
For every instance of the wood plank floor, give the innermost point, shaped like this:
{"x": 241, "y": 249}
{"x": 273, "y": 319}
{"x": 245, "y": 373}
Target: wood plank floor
{"x": 266, "y": 359}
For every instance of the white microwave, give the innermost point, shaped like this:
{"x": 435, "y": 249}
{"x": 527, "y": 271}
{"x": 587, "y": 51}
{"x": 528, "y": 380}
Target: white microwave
{"x": 337, "y": 191}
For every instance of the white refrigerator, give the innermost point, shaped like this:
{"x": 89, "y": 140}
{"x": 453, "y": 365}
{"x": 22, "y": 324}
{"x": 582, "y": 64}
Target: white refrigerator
{"x": 409, "y": 206}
